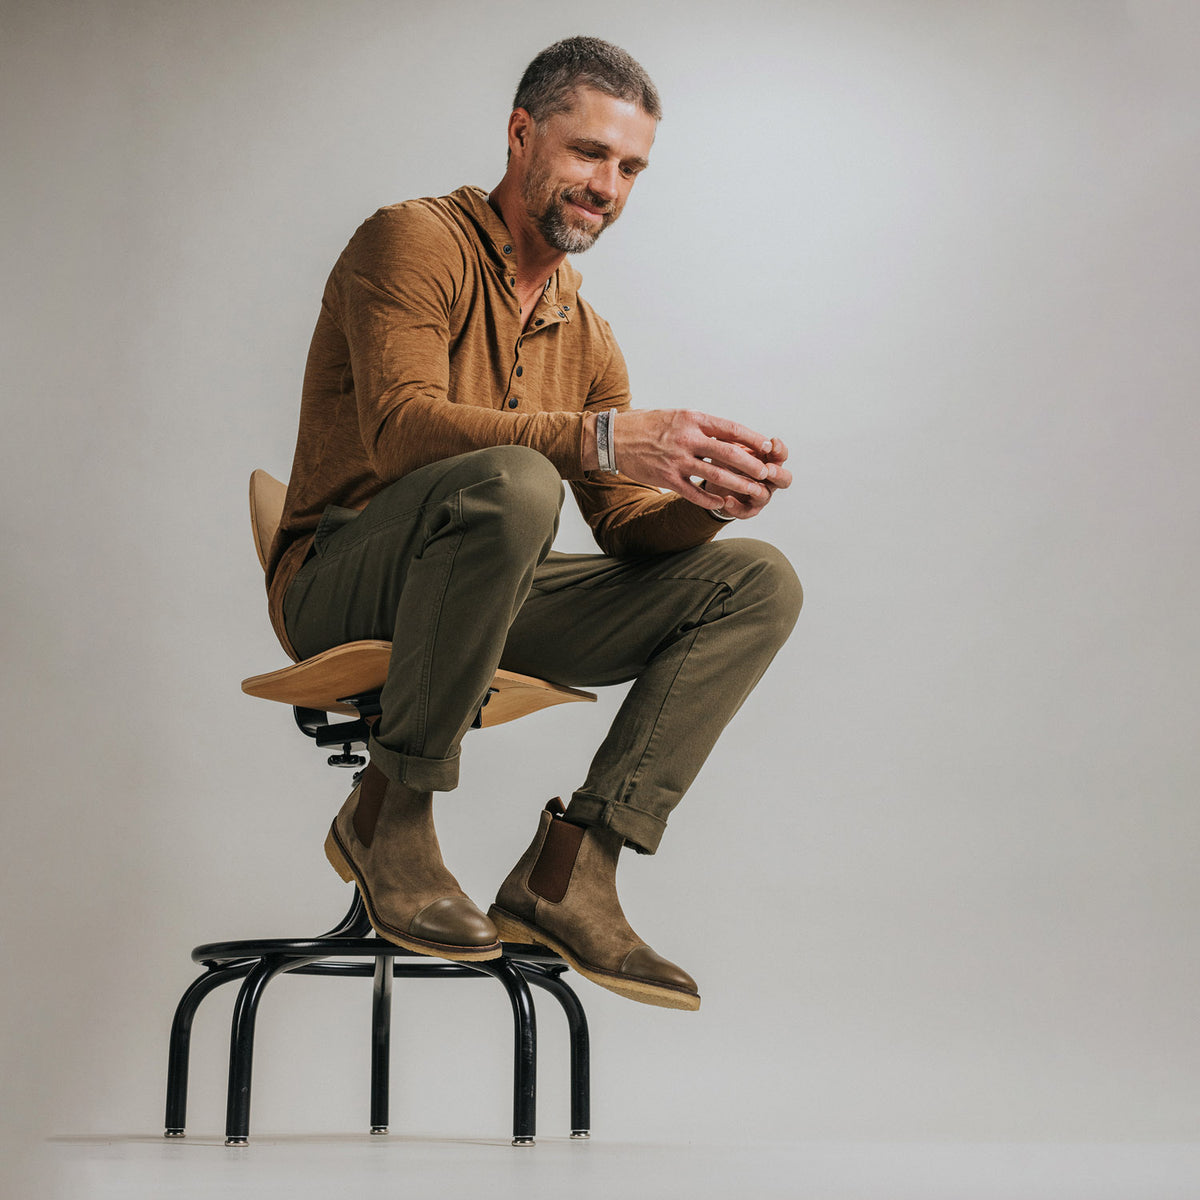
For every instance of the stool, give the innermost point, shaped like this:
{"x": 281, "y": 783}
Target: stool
{"x": 346, "y": 680}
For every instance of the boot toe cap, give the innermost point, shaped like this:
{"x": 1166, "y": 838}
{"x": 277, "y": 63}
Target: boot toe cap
{"x": 453, "y": 921}
{"x": 643, "y": 963}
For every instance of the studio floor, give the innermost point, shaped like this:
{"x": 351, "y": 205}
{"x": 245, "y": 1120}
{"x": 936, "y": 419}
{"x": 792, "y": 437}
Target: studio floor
{"x": 302, "y": 1167}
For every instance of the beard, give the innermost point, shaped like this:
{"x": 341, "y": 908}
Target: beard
{"x": 563, "y": 229}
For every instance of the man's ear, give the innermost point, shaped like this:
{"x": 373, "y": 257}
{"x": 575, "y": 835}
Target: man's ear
{"x": 520, "y": 130}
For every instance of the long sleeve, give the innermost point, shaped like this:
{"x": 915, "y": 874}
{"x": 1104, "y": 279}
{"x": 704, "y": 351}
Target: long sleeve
{"x": 404, "y": 303}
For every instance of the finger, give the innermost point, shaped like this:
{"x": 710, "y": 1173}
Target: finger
{"x": 781, "y": 477}
{"x": 685, "y": 487}
{"x": 746, "y": 507}
{"x": 779, "y": 451}
{"x": 777, "y": 476}
{"x": 730, "y": 483}
{"x": 739, "y": 507}
{"x": 731, "y": 503}
{"x": 734, "y": 431}
{"x": 735, "y": 458}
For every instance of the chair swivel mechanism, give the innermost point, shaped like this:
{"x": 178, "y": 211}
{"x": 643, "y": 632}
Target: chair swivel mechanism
{"x": 345, "y": 682}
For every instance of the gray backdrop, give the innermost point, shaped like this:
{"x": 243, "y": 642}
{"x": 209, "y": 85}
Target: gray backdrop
{"x": 947, "y": 251}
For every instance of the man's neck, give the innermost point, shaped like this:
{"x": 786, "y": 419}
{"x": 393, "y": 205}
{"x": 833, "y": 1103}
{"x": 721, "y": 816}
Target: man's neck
{"x": 536, "y": 260}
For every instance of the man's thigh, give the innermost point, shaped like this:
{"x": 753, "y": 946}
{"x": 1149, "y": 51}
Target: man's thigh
{"x": 591, "y": 620}
{"x": 350, "y": 587}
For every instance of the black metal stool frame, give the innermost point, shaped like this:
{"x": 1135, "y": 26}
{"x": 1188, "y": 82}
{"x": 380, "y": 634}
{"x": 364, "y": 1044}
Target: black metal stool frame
{"x": 257, "y": 961}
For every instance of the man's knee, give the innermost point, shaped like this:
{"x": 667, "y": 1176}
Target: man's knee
{"x": 517, "y": 489}
{"x": 765, "y": 579}
{"x": 525, "y": 471}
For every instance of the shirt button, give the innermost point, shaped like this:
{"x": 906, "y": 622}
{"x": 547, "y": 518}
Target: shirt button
{"x": 513, "y": 402}
{"x": 520, "y": 372}
{"x": 512, "y": 283}
{"x": 539, "y": 321}
{"x": 507, "y": 249}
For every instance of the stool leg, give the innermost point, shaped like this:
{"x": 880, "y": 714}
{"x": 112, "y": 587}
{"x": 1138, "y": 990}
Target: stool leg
{"x": 179, "y": 1049}
{"x": 381, "y": 1030}
{"x": 355, "y": 923}
{"x": 524, "y": 1048}
{"x": 581, "y": 1110}
{"x": 241, "y": 1045}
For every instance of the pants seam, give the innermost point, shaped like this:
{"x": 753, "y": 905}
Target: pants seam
{"x": 635, "y": 775}
{"x": 427, "y": 661}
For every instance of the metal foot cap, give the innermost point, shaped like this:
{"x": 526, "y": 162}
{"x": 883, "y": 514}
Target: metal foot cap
{"x": 375, "y": 1129}
{"x": 237, "y": 1141}
{"x": 580, "y": 1135}
{"x": 522, "y": 1141}
{"x": 173, "y": 1133}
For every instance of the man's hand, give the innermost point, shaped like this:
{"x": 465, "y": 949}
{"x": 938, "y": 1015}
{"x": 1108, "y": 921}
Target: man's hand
{"x": 743, "y": 506}
{"x": 679, "y": 449}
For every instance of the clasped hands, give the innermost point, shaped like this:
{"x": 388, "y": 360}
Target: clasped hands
{"x": 717, "y": 464}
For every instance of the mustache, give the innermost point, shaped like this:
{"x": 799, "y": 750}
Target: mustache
{"x": 586, "y": 196}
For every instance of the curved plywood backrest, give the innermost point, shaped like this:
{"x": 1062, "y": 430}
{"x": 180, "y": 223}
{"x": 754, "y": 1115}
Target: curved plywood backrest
{"x": 266, "y": 510}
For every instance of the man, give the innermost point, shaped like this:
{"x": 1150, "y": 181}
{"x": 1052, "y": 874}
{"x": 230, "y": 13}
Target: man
{"x": 455, "y": 379}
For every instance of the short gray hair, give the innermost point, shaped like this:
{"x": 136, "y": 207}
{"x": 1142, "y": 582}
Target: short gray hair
{"x": 549, "y": 81}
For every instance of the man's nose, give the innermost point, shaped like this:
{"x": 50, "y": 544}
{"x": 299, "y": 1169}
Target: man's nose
{"x": 605, "y": 181}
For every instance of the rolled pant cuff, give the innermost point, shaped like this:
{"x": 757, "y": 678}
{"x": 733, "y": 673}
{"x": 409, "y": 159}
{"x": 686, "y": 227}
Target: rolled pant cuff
{"x": 642, "y": 830}
{"x": 420, "y": 774}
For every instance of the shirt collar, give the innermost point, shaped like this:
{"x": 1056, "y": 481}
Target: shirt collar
{"x": 563, "y": 286}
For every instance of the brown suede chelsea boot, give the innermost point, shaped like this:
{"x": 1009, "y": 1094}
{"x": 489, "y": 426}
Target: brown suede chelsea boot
{"x": 563, "y": 894}
{"x": 384, "y": 841}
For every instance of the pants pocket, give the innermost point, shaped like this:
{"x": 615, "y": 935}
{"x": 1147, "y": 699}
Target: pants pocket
{"x": 333, "y": 520}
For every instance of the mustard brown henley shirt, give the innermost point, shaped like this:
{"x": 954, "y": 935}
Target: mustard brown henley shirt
{"x": 419, "y": 354}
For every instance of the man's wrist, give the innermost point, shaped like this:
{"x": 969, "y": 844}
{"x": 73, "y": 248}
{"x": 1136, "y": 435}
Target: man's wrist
{"x": 605, "y": 450}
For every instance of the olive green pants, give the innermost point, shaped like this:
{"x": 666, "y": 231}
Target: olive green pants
{"x": 453, "y": 565}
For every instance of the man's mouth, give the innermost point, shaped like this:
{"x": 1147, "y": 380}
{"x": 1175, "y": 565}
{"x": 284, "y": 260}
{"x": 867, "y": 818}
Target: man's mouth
{"x": 595, "y": 213}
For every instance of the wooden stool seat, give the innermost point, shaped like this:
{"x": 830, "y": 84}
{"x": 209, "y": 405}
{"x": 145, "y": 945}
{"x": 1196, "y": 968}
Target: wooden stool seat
{"x": 326, "y": 680}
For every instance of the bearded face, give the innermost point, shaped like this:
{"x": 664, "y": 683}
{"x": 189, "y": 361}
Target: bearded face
{"x": 570, "y": 218}
{"x": 578, "y": 165}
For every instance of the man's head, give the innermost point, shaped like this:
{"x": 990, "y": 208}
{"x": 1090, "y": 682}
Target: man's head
{"x": 549, "y": 81}
{"x": 583, "y": 121}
